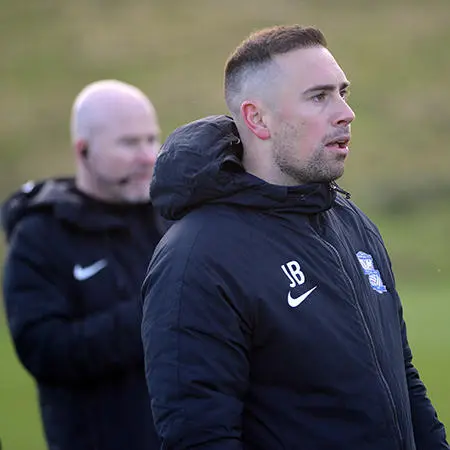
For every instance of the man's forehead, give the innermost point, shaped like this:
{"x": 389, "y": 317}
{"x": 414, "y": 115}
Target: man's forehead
{"x": 124, "y": 125}
{"x": 312, "y": 65}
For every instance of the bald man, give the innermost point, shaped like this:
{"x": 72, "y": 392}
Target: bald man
{"x": 115, "y": 135}
{"x": 78, "y": 251}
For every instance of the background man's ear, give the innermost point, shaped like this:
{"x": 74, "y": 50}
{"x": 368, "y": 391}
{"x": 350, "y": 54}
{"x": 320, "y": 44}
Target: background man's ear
{"x": 81, "y": 148}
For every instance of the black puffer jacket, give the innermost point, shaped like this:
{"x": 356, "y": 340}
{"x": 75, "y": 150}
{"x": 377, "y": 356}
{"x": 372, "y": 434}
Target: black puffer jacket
{"x": 271, "y": 318}
{"x": 72, "y": 280}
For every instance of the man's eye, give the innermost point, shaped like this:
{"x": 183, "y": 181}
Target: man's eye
{"x": 345, "y": 94}
{"x": 131, "y": 142}
{"x": 319, "y": 97}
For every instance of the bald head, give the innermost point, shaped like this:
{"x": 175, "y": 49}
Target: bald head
{"x": 102, "y": 103}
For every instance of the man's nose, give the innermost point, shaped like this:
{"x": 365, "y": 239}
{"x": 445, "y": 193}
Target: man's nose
{"x": 148, "y": 153}
{"x": 345, "y": 114}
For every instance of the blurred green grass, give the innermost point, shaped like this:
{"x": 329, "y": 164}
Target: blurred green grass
{"x": 395, "y": 52}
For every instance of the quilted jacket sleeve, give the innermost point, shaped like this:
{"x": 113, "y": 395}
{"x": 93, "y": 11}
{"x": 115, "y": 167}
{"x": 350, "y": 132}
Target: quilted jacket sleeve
{"x": 196, "y": 345}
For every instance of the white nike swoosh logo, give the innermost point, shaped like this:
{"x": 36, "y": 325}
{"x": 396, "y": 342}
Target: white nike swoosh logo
{"x": 83, "y": 273}
{"x": 295, "y": 301}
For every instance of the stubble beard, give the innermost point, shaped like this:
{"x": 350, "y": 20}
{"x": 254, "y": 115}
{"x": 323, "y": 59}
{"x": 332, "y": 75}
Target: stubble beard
{"x": 138, "y": 194}
{"x": 318, "y": 168}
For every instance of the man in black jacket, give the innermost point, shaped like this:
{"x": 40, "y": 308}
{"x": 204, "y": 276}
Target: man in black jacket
{"x": 78, "y": 251}
{"x": 271, "y": 317}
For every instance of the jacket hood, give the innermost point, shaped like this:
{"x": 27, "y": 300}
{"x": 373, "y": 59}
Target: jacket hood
{"x": 200, "y": 163}
{"x": 60, "y": 198}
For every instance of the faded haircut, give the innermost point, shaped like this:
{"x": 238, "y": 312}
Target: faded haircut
{"x": 249, "y": 68}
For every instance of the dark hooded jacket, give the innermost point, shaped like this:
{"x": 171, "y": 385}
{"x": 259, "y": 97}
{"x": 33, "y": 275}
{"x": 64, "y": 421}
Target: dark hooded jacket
{"x": 71, "y": 285}
{"x": 271, "y": 317}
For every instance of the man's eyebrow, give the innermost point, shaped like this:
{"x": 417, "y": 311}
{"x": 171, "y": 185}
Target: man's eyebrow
{"x": 135, "y": 137}
{"x": 327, "y": 87}
{"x": 128, "y": 137}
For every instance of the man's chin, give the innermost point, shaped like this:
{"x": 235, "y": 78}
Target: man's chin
{"x": 337, "y": 176}
{"x": 137, "y": 192}
{"x": 137, "y": 197}
{"x": 336, "y": 173}
{"x": 327, "y": 177}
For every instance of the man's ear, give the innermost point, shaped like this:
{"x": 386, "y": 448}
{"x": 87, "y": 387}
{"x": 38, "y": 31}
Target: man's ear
{"x": 254, "y": 119}
{"x": 81, "y": 148}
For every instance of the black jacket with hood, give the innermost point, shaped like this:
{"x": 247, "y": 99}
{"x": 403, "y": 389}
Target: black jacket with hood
{"x": 72, "y": 280}
{"x": 271, "y": 318}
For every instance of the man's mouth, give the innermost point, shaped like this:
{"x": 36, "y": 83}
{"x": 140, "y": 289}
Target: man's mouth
{"x": 141, "y": 176}
{"x": 339, "y": 142}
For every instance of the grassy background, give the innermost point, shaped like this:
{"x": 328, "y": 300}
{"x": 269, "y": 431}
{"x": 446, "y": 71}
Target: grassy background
{"x": 395, "y": 53}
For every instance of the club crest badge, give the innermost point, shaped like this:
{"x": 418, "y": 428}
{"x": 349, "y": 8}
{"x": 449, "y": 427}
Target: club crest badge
{"x": 373, "y": 274}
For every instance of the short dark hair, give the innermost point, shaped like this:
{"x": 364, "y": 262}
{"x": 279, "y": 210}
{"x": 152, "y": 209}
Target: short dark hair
{"x": 260, "y": 47}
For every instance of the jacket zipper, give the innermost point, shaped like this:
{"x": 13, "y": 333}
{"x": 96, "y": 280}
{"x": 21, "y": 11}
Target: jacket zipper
{"x": 372, "y": 345}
